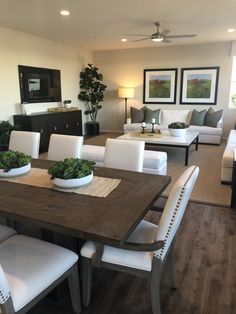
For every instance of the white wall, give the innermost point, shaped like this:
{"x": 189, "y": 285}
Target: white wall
{"x": 25, "y": 49}
{"x": 125, "y": 68}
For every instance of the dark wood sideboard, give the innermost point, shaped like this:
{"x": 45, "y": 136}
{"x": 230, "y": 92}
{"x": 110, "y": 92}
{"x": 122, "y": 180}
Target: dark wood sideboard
{"x": 69, "y": 123}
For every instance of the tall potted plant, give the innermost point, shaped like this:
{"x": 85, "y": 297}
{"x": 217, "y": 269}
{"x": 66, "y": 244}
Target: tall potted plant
{"x": 92, "y": 92}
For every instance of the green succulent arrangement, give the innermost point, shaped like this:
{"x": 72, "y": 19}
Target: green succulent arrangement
{"x": 10, "y": 160}
{"x": 71, "y": 168}
{"x": 178, "y": 125}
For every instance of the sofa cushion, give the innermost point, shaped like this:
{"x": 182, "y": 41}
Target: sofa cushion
{"x": 228, "y": 156}
{"x": 232, "y": 137}
{"x": 212, "y": 117}
{"x": 206, "y": 130}
{"x": 198, "y": 117}
{"x": 150, "y": 114}
{"x": 169, "y": 116}
{"x": 137, "y": 115}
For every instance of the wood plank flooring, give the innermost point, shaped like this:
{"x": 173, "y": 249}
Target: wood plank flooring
{"x": 205, "y": 259}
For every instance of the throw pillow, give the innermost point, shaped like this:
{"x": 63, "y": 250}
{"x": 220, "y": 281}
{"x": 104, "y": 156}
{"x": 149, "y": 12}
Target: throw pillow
{"x": 150, "y": 114}
{"x": 198, "y": 117}
{"x": 137, "y": 115}
{"x": 212, "y": 117}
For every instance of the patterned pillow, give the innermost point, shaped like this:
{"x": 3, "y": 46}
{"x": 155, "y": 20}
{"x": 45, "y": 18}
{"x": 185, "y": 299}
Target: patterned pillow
{"x": 137, "y": 115}
{"x": 198, "y": 117}
{"x": 212, "y": 117}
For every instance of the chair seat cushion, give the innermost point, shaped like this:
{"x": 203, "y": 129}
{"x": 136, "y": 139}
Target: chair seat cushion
{"x": 145, "y": 232}
{"x": 6, "y": 232}
{"x": 31, "y": 265}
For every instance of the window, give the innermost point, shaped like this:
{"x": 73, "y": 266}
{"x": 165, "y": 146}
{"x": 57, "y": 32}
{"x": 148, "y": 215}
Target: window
{"x": 232, "y": 101}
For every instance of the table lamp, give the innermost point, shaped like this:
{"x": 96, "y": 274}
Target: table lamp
{"x": 126, "y": 92}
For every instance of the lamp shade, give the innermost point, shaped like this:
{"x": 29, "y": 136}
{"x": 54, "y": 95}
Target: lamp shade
{"x": 126, "y": 92}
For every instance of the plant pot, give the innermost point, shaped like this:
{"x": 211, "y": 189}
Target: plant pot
{"x": 73, "y": 183}
{"x": 92, "y": 128}
{"x": 14, "y": 172}
{"x": 178, "y": 132}
{"x": 3, "y": 148}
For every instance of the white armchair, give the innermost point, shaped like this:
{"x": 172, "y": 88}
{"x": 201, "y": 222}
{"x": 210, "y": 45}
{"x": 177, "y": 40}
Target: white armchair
{"x": 30, "y": 269}
{"x": 147, "y": 249}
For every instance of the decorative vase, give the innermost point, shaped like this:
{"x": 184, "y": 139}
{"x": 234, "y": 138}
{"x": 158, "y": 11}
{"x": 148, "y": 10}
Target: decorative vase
{"x": 178, "y": 132}
{"x": 14, "y": 172}
{"x": 73, "y": 183}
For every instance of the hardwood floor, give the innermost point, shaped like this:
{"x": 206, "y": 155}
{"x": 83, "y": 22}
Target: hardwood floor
{"x": 205, "y": 259}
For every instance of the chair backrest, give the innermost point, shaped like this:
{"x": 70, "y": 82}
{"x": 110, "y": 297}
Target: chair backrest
{"x": 25, "y": 142}
{"x": 175, "y": 208}
{"x": 64, "y": 146}
{"x": 4, "y": 287}
{"x": 124, "y": 154}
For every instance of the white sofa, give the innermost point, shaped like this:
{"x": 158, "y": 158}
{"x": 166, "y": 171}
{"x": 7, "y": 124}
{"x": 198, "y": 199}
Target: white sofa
{"x": 154, "y": 162}
{"x": 228, "y": 158}
{"x": 207, "y": 134}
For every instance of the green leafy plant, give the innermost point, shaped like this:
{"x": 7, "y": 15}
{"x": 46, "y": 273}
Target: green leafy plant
{"x": 10, "y": 160}
{"x": 91, "y": 90}
{"x": 71, "y": 168}
{"x": 233, "y": 99}
{"x": 5, "y": 132}
{"x": 178, "y": 125}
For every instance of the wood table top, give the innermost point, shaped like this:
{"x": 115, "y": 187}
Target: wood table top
{"x": 107, "y": 220}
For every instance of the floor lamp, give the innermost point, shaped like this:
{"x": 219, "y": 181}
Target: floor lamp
{"x": 126, "y": 92}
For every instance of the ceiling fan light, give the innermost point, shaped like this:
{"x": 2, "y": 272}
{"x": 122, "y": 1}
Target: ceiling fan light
{"x": 158, "y": 39}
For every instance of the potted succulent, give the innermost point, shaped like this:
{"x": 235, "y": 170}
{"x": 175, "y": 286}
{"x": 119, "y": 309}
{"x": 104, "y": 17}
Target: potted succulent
{"x": 67, "y": 103}
{"x": 92, "y": 93}
{"x": 72, "y": 172}
{"x": 5, "y": 132}
{"x": 178, "y": 128}
{"x": 14, "y": 163}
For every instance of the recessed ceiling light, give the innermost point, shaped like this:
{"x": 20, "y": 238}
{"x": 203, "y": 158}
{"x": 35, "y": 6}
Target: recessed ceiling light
{"x": 231, "y": 30}
{"x": 123, "y": 39}
{"x": 65, "y": 12}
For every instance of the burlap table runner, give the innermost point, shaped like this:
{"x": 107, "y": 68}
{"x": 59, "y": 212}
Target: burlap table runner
{"x": 100, "y": 187}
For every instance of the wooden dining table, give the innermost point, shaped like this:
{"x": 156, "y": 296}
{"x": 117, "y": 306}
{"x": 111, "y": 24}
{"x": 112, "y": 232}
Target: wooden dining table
{"x": 106, "y": 220}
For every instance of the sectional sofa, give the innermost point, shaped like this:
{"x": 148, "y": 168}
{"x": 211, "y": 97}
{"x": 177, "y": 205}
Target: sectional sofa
{"x": 228, "y": 158}
{"x": 207, "y": 134}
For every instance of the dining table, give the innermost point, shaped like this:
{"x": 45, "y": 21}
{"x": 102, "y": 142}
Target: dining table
{"x": 106, "y": 220}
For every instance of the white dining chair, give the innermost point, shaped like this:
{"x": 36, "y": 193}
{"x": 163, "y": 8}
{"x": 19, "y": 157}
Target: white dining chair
{"x": 64, "y": 146}
{"x": 124, "y": 154}
{"x": 6, "y": 232}
{"x": 149, "y": 246}
{"x": 30, "y": 269}
{"x": 25, "y": 142}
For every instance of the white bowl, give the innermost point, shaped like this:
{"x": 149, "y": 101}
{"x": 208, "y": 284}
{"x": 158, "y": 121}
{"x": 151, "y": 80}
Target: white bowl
{"x": 14, "y": 172}
{"x": 73, "y": 183}
{"x": 178, "y": 132}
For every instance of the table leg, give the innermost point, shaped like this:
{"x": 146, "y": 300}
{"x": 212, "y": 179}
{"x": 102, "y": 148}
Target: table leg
{"x": 196, "y": 143}
{"x": 186, "y": 155}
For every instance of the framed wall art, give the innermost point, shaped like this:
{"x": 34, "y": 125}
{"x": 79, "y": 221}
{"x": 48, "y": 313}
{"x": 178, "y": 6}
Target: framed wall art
{"x": 199, "y": 85}
{"x": 159, "y": 86}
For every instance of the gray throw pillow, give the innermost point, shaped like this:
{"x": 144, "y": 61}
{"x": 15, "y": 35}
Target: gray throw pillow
{"x": 212, "y": 117}
{"x": 137, "y": 115}
{"x": 150, "y": 114}
{"x": 198, "y": 117}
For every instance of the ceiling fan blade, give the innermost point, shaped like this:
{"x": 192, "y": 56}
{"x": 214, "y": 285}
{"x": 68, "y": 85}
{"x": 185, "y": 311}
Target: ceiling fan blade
{"x": 136, "y": 34}
{"x": 165, "y": 32}
{"x": 140, "y": 39}
{"x": 181, "y": 36}
{"x": 166, "y": 41}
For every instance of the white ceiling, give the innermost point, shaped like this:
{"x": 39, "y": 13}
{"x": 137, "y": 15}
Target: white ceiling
{"x": 99, "y": 24}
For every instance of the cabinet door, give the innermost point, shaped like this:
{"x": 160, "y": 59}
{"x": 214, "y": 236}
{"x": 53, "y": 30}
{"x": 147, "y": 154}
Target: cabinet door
{"x": 40, "y": 124}
{"x": 73, "y": 123}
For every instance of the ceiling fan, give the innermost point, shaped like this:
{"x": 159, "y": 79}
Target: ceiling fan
{"x": 161, "y": 36}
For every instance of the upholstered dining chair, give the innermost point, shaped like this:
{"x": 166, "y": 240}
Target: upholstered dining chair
{"x": 6, "y": 232}
{"x": 30, "y": 269}
{"x": 124, "y": 154}
{"x": 25, "y": 142}
{"x": 149, "y": 246}
{"x": 64, "y": 146}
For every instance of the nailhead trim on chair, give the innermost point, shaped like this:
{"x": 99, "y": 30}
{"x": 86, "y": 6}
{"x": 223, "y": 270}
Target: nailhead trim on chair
{"x": 3, "y": 297}
{"x": 160, "y": 252}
